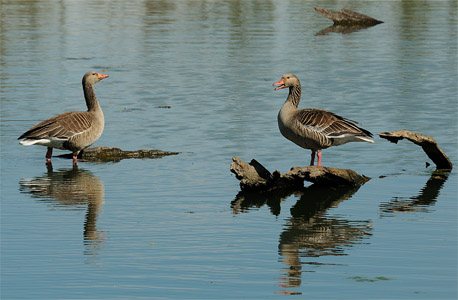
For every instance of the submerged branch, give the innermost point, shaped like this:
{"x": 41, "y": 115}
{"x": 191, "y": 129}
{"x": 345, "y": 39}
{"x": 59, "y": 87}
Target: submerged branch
{"x": 427, "y": 143}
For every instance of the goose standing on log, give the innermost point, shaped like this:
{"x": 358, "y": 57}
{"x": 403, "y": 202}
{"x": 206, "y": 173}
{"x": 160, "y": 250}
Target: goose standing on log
{"x": 311, "y": 128}
{"x": 74, "y": 130}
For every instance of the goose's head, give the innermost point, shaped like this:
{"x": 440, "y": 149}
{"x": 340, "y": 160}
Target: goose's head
{"x": 93, "y": 77}
{"x": 286, "y": 80}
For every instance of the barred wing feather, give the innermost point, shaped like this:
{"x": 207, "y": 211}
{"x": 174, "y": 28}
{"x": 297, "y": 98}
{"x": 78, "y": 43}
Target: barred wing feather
{"x": 329, "y": 124}
{"x": 62, "y": 126}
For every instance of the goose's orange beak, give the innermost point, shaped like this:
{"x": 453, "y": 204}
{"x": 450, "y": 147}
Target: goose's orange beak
{"x": 101, "y": 76}
{"x": 280, "y": 83}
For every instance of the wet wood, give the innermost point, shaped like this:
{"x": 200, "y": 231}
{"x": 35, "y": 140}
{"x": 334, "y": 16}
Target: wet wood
{"x": 106, "y": 154}
{"x": 427, "y": 143}
{"x": 255, "y": 177}
{"x": 347, "y": 17}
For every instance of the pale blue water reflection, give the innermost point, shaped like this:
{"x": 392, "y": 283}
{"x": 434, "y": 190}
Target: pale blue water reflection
{"x": 177, "y": 227}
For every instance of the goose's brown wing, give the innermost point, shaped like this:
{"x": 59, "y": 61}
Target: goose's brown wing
{"x": 62, "y": 126}
{"x": 329, "y": 124}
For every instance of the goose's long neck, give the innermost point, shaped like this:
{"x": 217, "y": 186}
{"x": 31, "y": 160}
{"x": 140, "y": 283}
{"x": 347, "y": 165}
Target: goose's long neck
{"x": 89, "y": 95}
{"x": 294, "y": 95}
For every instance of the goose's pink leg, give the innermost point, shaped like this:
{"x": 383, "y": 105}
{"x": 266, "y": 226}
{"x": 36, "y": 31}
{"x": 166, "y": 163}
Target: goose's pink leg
{"x": 49, "y": 154}
{"x": 319, "y": 158}
{"x": 75, "y": 158}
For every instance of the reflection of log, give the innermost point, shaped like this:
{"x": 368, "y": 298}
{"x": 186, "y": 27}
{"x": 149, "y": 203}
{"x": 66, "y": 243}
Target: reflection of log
{"x": 116, "y": 154}
{"x": 246, "y": 200}
{"x": 347, "y": 17}
{"x": 342, "y": 29}
{"x": 254, "y": 177}
{"x": 427, "y": 197}
{"x": 428, "y": 144}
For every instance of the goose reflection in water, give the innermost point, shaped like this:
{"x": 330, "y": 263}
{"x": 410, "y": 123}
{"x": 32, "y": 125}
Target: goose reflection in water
{"x": 419, "y": 203}
{"x": 309, "y": 232}
{"x": 71, "y": 189}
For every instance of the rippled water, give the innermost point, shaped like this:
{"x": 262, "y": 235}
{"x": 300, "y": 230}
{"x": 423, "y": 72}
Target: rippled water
{"x": 177, "y": 227}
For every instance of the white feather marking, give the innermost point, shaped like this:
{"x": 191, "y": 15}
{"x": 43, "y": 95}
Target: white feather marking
{"x": 51, "y": 142}
{"x": 346, "y": 138}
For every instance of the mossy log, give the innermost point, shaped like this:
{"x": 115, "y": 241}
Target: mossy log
{"x": 105, "y": 154}
{"x": 255, "y": 177}
{"x": 348, "y": 17}
{"x": 427, "y": 143}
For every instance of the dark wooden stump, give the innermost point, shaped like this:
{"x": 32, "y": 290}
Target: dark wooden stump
{"x": 255, "y": 177}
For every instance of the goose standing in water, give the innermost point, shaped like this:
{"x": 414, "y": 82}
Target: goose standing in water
{"x": 311, "y": 128}
{"x": 74, "y": 130}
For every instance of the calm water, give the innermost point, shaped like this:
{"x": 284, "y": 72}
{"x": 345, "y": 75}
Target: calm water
{"x": 177, "y": 227}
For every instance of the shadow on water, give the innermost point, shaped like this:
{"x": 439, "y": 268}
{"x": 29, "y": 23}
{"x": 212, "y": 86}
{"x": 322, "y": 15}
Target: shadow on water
{"x": 342, "y": 29}
{"x": 245, "y": 201}
{"x": 419, "y": 203}
{"x": 309, "y": 232}
{"x": 73, "y": 189}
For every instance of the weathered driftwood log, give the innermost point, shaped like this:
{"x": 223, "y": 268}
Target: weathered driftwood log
{"x": 347, "y": 17}
{"x": 115, "y": 154}
{"x": 427, "y": 143}
{"x": 255, "y": 177}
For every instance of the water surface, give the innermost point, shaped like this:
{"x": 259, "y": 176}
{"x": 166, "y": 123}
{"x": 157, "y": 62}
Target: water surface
{"x": 177, "y": 227}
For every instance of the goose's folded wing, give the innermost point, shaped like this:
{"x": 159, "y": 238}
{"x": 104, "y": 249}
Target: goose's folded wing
{"x": 62, "y": 126}
{"x": 329, "y": 124}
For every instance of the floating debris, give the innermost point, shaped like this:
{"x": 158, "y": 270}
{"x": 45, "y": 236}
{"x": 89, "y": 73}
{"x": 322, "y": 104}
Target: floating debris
{"x": 348, "y": 17}
{"x": 364, "y": 279}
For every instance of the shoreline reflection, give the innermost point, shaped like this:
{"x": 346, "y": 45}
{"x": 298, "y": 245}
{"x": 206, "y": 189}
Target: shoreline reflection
{"x": 71, "y": 189}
